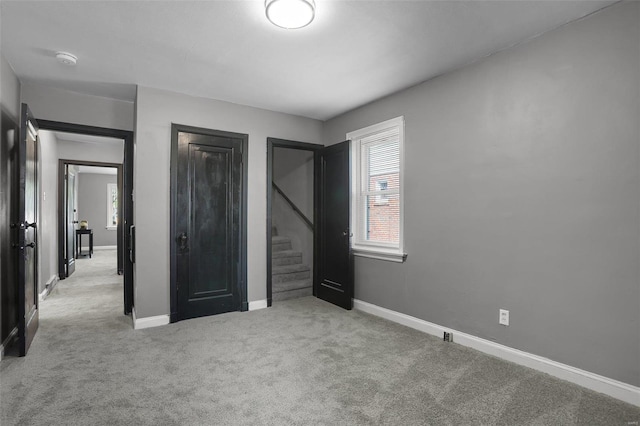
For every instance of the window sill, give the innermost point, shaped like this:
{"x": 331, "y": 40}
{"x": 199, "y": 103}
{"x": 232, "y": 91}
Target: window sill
{"x": 380, "y": 255}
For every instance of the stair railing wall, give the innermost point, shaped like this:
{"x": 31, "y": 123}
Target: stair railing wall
{"x": 293, "y": 206}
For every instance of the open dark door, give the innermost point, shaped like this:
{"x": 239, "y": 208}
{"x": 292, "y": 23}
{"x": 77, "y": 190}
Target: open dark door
{"x": 208, "y": 224}
{"x": 70, "y": 220}
{"x": 25, "y": 229}
{"x": 335, "y": 262}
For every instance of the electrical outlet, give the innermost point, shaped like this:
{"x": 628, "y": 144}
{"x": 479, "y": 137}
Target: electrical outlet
{"x": 504, "y": 317}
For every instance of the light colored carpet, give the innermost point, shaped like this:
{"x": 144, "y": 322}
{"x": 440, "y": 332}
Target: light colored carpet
{"x": 100, "y": 269}
{"x": 300, "y": 362}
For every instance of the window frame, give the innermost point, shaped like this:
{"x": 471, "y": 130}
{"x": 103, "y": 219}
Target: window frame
{"x": 360, "y": 246}
{"x": 109, "y": 226}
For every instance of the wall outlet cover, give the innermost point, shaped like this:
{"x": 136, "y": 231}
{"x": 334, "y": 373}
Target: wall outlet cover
{"x": 504, "y": 317}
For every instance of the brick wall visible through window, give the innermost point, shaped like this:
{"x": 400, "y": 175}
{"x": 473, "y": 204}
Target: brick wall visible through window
{"x": 383, "y": 210}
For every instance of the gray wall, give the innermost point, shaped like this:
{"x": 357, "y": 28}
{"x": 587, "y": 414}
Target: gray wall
{"x": 156, "y": 110}
{"x": 106, "y": 153}
{"x": 48, "y": 223}
{"x": 9, "y": 122}
{"x": 293, "y": 173}
{"x": 61, "y": 105}
{"x": 522, "y": 177}
{"x": 9, "y": 89}
{"x": 92, "y": 206}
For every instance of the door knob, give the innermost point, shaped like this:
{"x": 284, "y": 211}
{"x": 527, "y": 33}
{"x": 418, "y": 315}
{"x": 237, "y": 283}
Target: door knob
{"x": 23, "y": 225}
{"x": 182, "y": 238}
{"x": 19, "y": 247}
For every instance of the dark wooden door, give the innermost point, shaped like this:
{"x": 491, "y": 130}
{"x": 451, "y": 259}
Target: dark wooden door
{"x": 335, "y": 261}
{"x": 26, "y": 230}
{"x": 207, "y": 221}
{"x": 70, "y": 221}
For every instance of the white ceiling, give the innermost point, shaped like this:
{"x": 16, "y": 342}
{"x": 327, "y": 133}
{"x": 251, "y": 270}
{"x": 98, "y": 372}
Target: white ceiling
{"x": 353, "y": 53}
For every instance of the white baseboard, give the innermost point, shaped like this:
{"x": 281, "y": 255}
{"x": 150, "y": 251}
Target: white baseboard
{"x": 101, "y": 248}
{"x": 614, "y": 388}
{"x": 257, "y": 304}
{"x": 48, "y": 287}
{"x": 6, "y": 341}
{"x": 148, "y": 322}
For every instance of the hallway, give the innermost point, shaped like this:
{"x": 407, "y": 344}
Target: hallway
{"x": 92, "y": 294}
{"x": 100, "y": 269}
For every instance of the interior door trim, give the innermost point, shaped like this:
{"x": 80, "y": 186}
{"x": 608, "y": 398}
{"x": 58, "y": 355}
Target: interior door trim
{"x": 62, "y": 163}
{"x": 173, "y": 288}
{"x": 305, "y": 146}
{"x": 126, "y": 218}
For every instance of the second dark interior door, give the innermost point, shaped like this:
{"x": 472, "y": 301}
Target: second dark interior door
{"x": 335, "y": 262}
{"x": 207, "y": 206}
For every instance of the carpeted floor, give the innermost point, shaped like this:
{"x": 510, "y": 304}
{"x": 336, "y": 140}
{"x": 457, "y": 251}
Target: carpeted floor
{"x": 300, "y": 362}
{"x": 100, "y": 269}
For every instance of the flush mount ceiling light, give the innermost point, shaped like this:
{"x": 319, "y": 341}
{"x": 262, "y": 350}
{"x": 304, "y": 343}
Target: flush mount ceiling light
{"x": 66, "y": 58}
{"x": 290, "y": 14}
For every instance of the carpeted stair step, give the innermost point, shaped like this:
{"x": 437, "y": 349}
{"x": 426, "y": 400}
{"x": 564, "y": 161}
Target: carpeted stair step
{"x": 292, "y": 294}
{"x": 279, "y": 243}
{"x": 291, "y": 285}
{"x": 292, "y": 289}
{"x": 286, "y": 257}
{"x": 285, "y": 273}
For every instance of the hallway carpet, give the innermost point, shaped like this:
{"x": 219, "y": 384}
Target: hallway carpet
{"x": 100, "y": 269}
{"x": 301, "y": 362}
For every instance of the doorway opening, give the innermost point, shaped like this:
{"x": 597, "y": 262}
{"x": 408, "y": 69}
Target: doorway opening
{"x": 91, "y": 260}
{"x": 82, "y": 159}
{"x": 292, "y": 215}
{"x": 89, "y": 196}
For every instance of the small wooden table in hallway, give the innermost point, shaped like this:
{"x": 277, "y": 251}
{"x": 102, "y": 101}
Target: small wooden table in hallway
{"x": 79, "y": 234}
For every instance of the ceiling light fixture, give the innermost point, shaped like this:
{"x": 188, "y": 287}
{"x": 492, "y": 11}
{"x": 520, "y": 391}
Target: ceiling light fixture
{"x": 66, "y": 58}
{"x": 290, "y": 14}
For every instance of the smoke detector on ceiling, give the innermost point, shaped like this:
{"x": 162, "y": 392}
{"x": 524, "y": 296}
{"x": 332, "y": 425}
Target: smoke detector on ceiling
{"x": 66, "y": 58}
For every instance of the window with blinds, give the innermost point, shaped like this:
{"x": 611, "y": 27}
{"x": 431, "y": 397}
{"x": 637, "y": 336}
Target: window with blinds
{"x": 377, "y": 190}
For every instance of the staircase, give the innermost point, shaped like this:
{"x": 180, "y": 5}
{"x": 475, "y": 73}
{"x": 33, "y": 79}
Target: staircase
{"x": 290, "y": 278}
